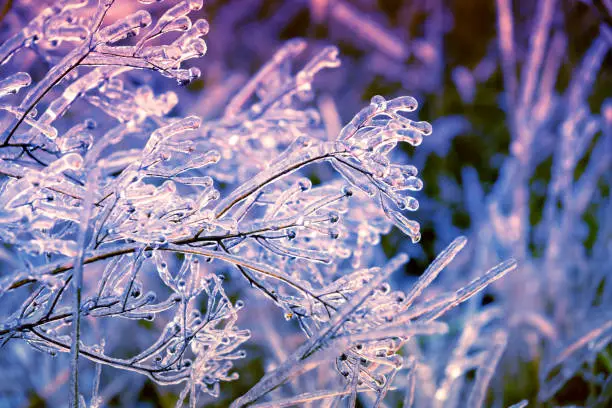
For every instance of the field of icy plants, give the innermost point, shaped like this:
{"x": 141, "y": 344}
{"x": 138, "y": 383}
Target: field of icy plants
{"x": 306, "y": 203}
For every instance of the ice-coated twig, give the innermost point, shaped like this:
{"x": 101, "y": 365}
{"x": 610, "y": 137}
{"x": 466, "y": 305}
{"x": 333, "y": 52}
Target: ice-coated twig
{"x": 288, "y": 51}
{"x": 475, "y": 286}
{"x": 280, "y": 375}
{"x": 564, "y": 364}
{"x": 537, "y": 49}
{"x": 410, "y": 388}
{"x": 505, "y": 31}
{"x": 78, "y": 283}
{"x": 370, "y": 31}
{"x": 433, "y": 270}
{"x": 485, "y": 372}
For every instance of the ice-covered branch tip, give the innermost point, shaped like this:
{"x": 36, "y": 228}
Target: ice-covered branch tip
{"x": 362, "y": 155}
{"x": 369, "y": 139}
{"x": 96, "y": 45}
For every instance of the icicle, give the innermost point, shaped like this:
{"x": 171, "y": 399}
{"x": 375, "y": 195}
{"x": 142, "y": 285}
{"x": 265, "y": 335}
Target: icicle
{"x": 408, "y": 227}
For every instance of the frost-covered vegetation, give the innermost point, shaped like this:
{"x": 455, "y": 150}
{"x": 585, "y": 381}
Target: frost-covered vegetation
{"x": 185, "y": 226}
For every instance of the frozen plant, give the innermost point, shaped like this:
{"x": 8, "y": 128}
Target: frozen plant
{"x": 125, "y": 213}
{"x": 549, "y": 208}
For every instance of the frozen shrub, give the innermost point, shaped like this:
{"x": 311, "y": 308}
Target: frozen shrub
{"x": 96, "y": 210}
{"x": 153, "y": 234}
